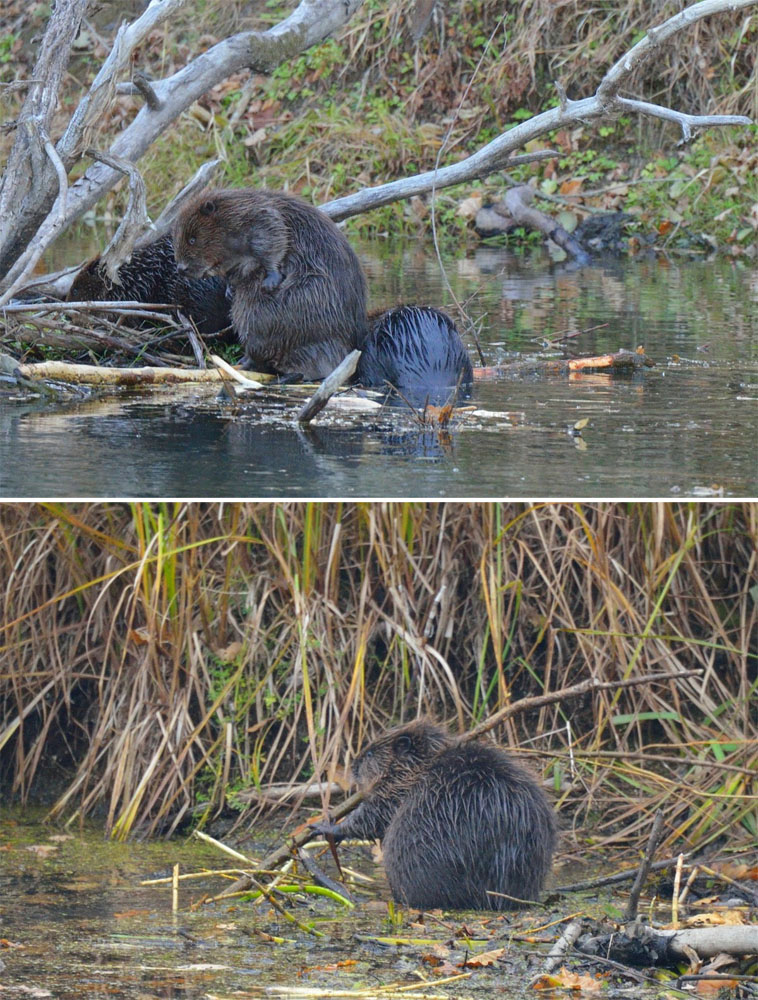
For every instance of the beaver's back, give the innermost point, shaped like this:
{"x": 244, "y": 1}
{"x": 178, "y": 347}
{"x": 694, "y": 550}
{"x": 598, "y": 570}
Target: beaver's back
{"x": 418, "y": 350}
{"x": 475, "y": 820}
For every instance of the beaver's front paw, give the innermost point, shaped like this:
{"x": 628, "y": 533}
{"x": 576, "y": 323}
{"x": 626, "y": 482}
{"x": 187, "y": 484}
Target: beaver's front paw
{"x": 323, "y": 829}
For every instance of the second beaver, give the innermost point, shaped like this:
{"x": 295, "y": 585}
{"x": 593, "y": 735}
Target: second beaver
{"x": 151, "y": 275}
{"x": 457, "y": 821}
{"x": 418, "y": 350}
{"x": 299, "y": 294}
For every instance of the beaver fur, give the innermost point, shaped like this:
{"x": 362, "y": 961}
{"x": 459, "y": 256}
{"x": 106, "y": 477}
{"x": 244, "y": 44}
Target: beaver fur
{"x": 417, "y": 350}
{"x": 456, "y": 820}
{"x": 151, "y": 275}
{"x": 299, "y": 294}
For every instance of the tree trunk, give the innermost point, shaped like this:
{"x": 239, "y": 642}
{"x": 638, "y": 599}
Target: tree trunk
{"x": 30, "y": 183}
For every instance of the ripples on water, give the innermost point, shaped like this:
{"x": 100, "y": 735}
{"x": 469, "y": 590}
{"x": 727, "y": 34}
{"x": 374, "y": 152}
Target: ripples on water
{"x": 686, "y": 427}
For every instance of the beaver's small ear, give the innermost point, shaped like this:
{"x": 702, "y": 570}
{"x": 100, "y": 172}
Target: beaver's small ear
{"x": 403, "y": 743}
{"x": 208, "y": 207}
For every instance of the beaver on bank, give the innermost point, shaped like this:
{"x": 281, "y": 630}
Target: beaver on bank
{"x": 151, "y": 275}
{"x": 456, "y": 820}
{"x": 299, "y": 294}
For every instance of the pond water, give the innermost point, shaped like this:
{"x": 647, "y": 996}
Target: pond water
{"x": 685, "y": 427}
{"x": 76, "y": 922}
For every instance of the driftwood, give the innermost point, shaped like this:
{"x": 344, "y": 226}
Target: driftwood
{"x": 244, "y": 384}
{"x": 62, "y": 371}
{"x": 333, "y": 381}
{"x": 36, "y": 202}
{"x": 615, "y": 879}
{"x": 640, "y": 944}
{"x": 652, "y": 845}
{"x": 620, "y": 361}
{"x": 517, "y": 209}
{"x": 562, "y": 946}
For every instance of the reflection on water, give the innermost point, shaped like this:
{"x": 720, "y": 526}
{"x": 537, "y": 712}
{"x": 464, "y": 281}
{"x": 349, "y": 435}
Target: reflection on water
{"x": 686, "y": 427}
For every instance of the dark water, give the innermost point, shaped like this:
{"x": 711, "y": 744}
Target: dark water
{"x": 687, "y": 427}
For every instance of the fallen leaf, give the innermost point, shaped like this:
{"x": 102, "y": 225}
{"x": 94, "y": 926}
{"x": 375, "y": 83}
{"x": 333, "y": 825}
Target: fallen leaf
{"x": 718, "y": 962}
{"x": 713, "y": 987}
{"x": 229, "y": 653}
{"x": 571, "y": 187}
{"x": 736, "y": 871}
{"x": 484, "y": 958}
{"x": 256, "y": 138}
{"x": 566, "y": 979}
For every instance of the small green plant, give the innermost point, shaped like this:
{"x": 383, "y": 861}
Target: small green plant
{"x": 394, "y": 915}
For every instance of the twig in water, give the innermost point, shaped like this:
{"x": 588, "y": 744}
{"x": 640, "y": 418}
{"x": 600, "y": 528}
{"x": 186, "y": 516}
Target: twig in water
{"x": 626, "y": 876}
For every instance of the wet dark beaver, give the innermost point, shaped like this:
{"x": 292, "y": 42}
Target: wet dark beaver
{"x": 456, "y": 820}
{"x": 418, "y": 350}
{"x": 299, "y": 294}
{"x": 151, "y": 275}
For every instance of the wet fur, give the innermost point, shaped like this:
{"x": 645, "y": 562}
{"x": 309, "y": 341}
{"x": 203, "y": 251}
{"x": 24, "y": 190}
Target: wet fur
{"x": 455, "y": 820}
{"x": 299, "y": 294}
{"x": 151, "y": 275}
{"x": 418, "y": 350}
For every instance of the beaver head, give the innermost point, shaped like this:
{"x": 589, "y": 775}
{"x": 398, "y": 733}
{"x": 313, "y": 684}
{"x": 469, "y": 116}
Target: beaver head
{"x": 396, "y": 759}
{"x": 233, "y": 233}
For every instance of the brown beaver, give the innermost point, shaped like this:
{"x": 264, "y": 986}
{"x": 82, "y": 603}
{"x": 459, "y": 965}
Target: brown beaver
{"x": 299, "y": 294}
{"x": 455, "y": 820}
{"x": 151, "y": 275}
{"x": 418, "y": 350}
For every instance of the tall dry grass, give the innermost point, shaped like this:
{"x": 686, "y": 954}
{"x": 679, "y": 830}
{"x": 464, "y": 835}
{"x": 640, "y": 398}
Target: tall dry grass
{"x": 159, "y": 661}
{"x": 709, "y": 67}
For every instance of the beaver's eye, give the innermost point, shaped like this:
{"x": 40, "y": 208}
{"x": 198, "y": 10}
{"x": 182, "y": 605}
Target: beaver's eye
{"x": 192, "y": 240}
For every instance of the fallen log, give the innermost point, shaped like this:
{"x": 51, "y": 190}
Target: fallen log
{"x": 62, "y": 371}
{"x": 622, "y": 360}
{"x": 642, "y": 945}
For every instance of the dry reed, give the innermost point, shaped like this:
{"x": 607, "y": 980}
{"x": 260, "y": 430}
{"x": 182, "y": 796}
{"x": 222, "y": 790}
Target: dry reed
{"x": 161, "y": 661}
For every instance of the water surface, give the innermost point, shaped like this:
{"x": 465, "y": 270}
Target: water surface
{"x": 686, "y": 427}
{"x": 77, "y": 922}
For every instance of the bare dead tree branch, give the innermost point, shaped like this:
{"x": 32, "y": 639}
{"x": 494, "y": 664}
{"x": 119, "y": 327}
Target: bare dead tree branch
{"x": 623, "y": 68}
{"x": 21, "y": 216}
{"x": 135, "y": 221}
{"x": 605, "y": 103}
{"x": 311, "y": 22}
{"x": 30, "y": 177}
{"x": 50, "y": 228}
